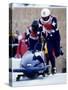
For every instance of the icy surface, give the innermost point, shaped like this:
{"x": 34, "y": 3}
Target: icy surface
{"x": 59, "y": 78}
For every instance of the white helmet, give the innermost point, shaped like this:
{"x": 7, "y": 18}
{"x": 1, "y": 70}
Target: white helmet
{"x": 45, "y": 12}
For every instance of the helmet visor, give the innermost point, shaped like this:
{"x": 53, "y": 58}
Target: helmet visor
{"x": 45, "y": 18}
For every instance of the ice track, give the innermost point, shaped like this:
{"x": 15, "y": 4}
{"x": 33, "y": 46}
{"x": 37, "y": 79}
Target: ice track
{"x": 59, "y": 78}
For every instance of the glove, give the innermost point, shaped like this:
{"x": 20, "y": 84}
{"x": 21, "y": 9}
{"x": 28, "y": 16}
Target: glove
{"x": 61, "y": 52}
{"x": 34, "y": 57}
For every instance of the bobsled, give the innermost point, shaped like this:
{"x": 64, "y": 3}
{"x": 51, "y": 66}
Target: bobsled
{"x": 32, "y": 65}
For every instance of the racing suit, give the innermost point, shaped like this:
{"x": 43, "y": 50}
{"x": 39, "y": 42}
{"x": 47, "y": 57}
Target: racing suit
{"x": 51, "y": 36}
{"x": 33, "y": 39}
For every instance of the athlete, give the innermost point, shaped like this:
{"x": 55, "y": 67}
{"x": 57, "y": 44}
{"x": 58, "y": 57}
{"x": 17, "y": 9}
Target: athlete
{"x": 51, "y": 34}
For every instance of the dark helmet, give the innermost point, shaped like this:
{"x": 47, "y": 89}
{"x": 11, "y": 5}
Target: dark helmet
{"x": 35, "y": 25}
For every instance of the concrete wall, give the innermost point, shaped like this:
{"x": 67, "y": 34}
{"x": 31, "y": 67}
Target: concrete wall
{"x": 23, "y": 17}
